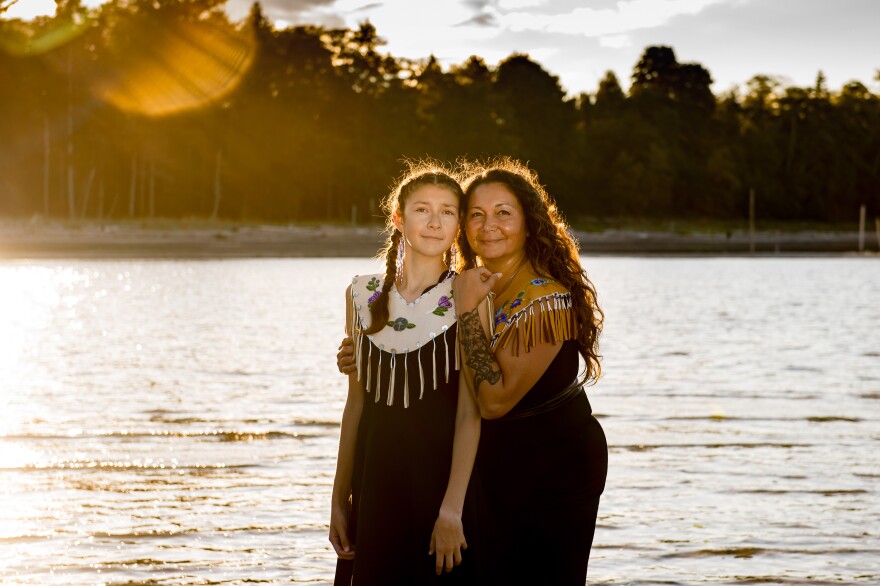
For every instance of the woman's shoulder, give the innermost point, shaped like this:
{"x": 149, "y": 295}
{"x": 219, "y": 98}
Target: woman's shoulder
{"x": 540, "y": 302}
{"x": 542, "y": 287}
{"x": 534, "y": 290}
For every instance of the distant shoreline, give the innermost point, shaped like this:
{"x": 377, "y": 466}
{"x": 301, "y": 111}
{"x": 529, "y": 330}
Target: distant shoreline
{"x": 206, "y": 239}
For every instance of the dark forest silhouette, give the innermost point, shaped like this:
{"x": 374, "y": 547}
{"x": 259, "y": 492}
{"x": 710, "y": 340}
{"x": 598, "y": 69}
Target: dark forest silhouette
{"x": 241, "y": 121}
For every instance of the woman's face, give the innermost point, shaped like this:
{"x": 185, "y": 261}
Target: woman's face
{"x": 429, "y": 221}
{"x": 495, "y": 223}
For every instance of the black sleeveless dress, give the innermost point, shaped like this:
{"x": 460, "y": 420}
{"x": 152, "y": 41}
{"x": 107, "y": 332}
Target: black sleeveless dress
{"x": 541, "y": 470}
{"x": 404, "y": 455}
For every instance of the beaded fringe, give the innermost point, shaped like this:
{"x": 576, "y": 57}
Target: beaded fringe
{"x": 363, "y": 362}
{"x": 524, "y": 330}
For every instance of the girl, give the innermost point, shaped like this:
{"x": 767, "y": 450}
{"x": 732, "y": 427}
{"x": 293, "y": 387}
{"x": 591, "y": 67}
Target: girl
{"x": 409, "y": 431}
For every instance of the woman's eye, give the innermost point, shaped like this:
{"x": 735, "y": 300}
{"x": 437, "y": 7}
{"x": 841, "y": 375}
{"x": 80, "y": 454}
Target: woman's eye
{"x": 503, "y": 213}
{"x": 450, "y": 213}
{"x": 476, "y": 214}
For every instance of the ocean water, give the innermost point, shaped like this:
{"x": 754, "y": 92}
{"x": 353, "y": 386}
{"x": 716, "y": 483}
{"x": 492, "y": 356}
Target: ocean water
{"x": 176, "y": 422}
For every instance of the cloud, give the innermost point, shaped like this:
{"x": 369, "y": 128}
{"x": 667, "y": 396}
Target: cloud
{"x": 287, "y": 10}
{"x": 520, "y": 4}
{"x": 626, "y": 16}
{"x": 476, "y": 5}
{"x": 485, "y": 19}
{"x": 368, "y": 7}
{"x": 615, "y": 41}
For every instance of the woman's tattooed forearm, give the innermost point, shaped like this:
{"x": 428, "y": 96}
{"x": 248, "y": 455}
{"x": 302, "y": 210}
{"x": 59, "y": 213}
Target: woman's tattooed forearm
{"x": 476, "y": 346}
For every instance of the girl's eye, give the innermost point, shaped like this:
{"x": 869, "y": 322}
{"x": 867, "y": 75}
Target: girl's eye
{"x": 450, "y": 213}
{"x": 421, "y": 209}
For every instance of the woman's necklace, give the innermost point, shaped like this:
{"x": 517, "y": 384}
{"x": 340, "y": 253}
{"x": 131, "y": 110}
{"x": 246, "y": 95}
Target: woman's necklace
{"x": 510, "y": 280}
{"x": 490, "y": 299}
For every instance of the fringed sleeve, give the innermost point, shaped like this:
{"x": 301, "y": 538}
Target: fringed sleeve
{"x": 547, "y": 318}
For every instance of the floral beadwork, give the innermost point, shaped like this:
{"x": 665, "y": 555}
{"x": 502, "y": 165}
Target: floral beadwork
{"x": 443, "y": 305}
{"x": 539, "y": 281}
{"x": 373, "y": 285}
{"x": 500, "y": 315}
{"x": 401, "y": 324}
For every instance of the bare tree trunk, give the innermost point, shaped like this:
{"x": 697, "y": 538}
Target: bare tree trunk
{"x": 71, "y": 194}
{"x": 752, "y": 220}
{"x": 115, "y": 201}
{"x": 142, "y": 189}
{"x": 101, "y": 199}
{"x": 152, "y": 188}
{"x": 89, "y": 182}
{"x": 132, "y": 192}
{"x": 217, "y": 186}
{"x": 46, "y": 153}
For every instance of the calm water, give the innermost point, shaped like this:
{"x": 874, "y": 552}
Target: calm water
{"x": 176, "y": 422}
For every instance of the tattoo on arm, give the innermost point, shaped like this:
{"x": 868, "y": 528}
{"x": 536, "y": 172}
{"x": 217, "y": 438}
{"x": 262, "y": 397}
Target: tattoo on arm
{"x": 479, "y": 354}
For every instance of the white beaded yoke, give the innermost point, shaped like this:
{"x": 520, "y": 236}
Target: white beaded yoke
{"x": 419, "y": 337}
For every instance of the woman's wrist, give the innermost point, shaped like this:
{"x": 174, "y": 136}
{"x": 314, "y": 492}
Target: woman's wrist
{"x": 466, "y": 306}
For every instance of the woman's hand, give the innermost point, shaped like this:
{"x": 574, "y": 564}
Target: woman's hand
{"x": 471, "y": 287}
{"x": 345, "y": 361}
{"x": 447, "y": 541}
{"x": 339, "y": 532}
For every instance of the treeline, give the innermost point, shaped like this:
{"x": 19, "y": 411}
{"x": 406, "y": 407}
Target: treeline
{"x": 164, "y": 108}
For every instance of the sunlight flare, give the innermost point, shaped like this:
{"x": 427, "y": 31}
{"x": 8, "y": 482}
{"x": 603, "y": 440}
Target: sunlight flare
{"x": 185, "y": 66}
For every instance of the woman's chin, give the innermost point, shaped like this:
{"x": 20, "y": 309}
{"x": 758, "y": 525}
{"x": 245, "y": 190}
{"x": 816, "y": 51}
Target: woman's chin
{"x": 490, "y": 253}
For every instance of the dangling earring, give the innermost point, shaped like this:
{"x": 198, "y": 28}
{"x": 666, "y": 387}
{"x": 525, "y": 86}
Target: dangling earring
{"x": 401, "y": 252}
{"x": 453, "y": 257}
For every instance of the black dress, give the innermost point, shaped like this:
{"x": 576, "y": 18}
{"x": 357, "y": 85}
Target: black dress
{"x": 403, "y": 459}
{"x": 541, "y": 470}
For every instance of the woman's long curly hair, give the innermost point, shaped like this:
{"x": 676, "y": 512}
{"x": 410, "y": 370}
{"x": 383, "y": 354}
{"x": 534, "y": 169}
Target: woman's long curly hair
{"x": 549, "y": 246}
{"x": 418, "y": 174}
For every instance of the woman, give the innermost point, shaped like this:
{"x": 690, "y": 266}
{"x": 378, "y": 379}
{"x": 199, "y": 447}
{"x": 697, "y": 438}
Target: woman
{"x": 409, "y": 432}
{"x": 524, "y": 316}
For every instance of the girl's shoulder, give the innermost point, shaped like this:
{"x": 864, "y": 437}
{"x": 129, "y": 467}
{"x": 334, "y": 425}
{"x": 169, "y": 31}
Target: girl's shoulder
{"x": 366, "y": 288}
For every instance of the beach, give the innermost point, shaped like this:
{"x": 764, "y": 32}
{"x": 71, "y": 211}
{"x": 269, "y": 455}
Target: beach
{"x": 39, "y": 238}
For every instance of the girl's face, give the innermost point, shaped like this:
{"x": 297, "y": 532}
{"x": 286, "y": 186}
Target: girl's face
{"x": 429, "y": 220}
{"x": 495, "y": 223}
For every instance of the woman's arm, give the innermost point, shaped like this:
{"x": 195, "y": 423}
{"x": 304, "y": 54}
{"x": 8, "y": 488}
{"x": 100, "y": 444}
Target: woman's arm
{"x": 345, "y": 362}
{"x": 448, "y": 538}
{"x": 340, "y": 507}
{"x": 498, "y": 379}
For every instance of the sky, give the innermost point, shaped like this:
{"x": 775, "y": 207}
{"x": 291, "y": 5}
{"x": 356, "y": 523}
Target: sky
{"x": 580, "y": 40}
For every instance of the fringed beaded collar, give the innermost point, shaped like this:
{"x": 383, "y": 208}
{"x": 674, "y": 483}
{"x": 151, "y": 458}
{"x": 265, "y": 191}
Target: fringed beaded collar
{"x": 412, "y": 326}
{"x": 542, "y": 312}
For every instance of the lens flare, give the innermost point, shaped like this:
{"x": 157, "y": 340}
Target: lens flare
{"x": 185, "y": 65}
{"x": 22, "y": 39}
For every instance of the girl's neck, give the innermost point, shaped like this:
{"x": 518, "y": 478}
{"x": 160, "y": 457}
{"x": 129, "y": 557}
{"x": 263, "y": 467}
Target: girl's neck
{"x": 419, "y": 272}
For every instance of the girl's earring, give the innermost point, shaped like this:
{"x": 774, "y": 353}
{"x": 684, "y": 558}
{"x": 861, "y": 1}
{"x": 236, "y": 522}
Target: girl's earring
{"x": 401, "y": 251}
{"x": 453, "y": 257}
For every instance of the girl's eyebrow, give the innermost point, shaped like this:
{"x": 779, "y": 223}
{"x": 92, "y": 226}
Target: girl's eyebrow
{"x": 445, "y": 205}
